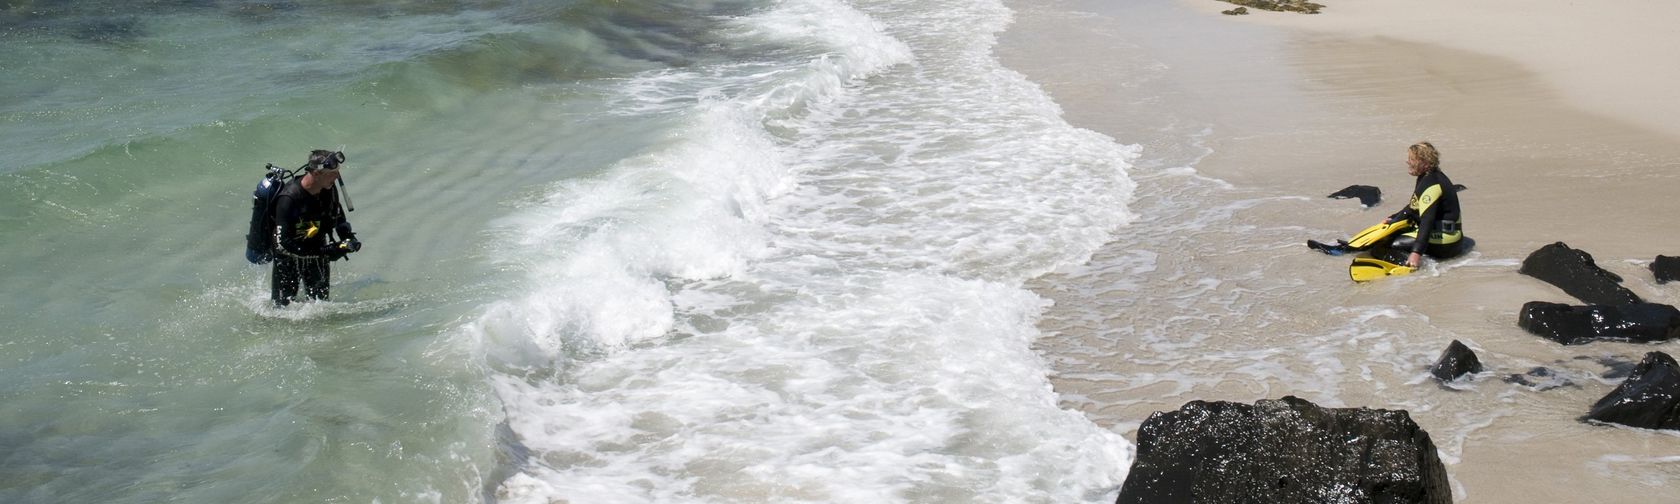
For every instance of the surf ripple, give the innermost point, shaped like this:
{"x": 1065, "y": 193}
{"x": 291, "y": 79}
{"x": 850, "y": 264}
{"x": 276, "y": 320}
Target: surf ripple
{"x": 812, "y": 291}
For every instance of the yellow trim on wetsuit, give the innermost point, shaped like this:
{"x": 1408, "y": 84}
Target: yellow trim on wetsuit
{"x": 1420, "y": 204}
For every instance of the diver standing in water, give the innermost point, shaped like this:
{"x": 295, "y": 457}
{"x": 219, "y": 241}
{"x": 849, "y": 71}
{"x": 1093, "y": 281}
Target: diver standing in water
{"x": 1433, "y": 212}
{"x": 306, "y": 215}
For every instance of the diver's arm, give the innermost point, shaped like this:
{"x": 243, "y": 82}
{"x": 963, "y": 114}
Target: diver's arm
{"x": 1429, "y": 215}
{"x": 337, "y": 221}
{"x": 346, "y": 242}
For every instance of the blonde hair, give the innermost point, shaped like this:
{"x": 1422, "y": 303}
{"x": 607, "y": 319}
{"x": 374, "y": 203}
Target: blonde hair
{"x": 1428, "y": 158}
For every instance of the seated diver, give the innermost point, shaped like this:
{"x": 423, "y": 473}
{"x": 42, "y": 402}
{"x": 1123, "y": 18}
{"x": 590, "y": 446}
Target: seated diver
{"x": 1433, "y": 212}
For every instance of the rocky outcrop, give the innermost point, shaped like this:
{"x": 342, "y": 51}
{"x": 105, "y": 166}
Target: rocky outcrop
{"x": 1301, "y": 6}
{"x": 1367, "y": 195}
{"x": 1649, "y": 398}
{"x": 1457, "y": 360}
{"x": 1284, "y": 451}
{"x": 1575, "y": 272}
{"x": 1239, "y": 11}
{"x": 1578, "y": 325}
{"x": 1666, "y": 269}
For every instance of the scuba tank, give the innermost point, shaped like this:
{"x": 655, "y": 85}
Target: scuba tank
{"x": 259, "y": 241}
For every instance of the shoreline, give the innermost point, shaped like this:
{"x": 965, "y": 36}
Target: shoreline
{"x": 1538, "y": 170}
{"x": 1276, "y": 117}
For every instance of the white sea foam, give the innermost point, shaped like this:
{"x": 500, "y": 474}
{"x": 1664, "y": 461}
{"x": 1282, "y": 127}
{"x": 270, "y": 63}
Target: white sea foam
{"x": 812, "y": 292}
{"x": 868, "y": 389}
{"x": 598, "y": 252}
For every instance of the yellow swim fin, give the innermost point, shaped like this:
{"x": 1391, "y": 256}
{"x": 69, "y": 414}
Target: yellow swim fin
{"x": 1371, "y": 235}
{"x": 1365, "y": 269}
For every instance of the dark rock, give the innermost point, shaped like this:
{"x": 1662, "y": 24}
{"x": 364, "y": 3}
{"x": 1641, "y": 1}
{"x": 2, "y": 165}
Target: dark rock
{"x": 1301, "y": 6}
{"x": 1540, "y": 379}
{"x": 1284, "y": 451}
{"x": 1456, "y": 361}
{"x": 1368, "y": 195}
{"x": 1666, "y": 269}
{"x": 1648, "y": 399}
{"x": 1579, "y": 325}
{"x": 1239, "y": 11}
{"x": 1575, "y": 272}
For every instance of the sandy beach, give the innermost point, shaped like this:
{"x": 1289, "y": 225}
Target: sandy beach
{"x": 1549, "y": 103}
{"x": 1553, "y": 114}
{"x": 1617, "y": 61}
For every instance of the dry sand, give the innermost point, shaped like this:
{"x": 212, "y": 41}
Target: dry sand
{"x": 1553, "y": 114}
{"x": 1617, "y": 59}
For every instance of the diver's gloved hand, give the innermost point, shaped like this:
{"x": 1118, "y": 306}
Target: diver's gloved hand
{"x": 343, "y": 230}
{"x": 338, "y": 249}
{"x": 1397, "y": 217}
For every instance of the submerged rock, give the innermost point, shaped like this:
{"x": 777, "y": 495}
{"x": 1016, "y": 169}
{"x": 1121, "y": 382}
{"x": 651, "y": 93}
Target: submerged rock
{"x": 1367, "y": 195}
{"x": 1579, "y": 325}
{"x": 1575, "y": 272}
{"x": 1301, "y": 6}
{"x": 1239, "y": 11}
{"x": 1666, "y": 269}
{"x": 1540, "y": 379}
{"x": 1615, "y": 366}
{"x": 1649, "y": 398}
{"x": 1458, "y": 360}
{"x": 1284, "y": 451}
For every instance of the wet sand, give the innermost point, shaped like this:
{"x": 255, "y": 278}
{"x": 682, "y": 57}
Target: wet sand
{"x": 1246, "y": 125}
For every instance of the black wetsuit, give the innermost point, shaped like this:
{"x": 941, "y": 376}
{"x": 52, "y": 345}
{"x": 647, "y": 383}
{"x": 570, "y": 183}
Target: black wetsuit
{"x": 1435, "y": 214}
{"x": 302, "y": 225}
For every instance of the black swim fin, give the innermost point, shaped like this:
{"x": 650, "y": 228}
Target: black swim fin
{"x": 1335, "y": 249}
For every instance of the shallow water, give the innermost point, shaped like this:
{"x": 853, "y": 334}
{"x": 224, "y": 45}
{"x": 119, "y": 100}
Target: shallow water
{"x": 615, "y": 252}
{"x": 1209, "y": 295}
{"x": 731, "y": 251}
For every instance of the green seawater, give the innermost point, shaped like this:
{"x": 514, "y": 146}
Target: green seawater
{"x": 140, "y": 360}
